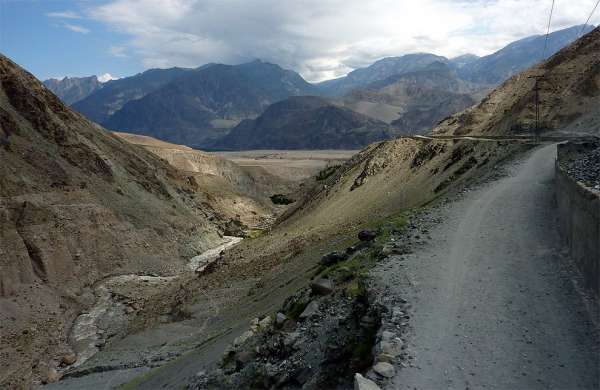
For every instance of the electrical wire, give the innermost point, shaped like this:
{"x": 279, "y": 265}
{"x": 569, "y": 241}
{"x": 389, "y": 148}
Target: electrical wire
{"x": 548, "y": 29}
{"x": 588, "y": 19}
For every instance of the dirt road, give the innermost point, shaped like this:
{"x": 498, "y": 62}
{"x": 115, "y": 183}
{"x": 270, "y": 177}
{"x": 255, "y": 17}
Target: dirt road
{"x": 493, "y": 304}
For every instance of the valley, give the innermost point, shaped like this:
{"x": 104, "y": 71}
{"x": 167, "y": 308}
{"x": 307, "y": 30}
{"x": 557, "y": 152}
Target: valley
{"x": 408, "y": 225}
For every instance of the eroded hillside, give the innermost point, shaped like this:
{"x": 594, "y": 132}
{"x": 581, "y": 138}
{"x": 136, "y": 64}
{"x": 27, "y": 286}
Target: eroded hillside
{"x": 77, "y": 204}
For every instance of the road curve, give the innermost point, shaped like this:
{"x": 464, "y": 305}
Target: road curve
{"x": 493, "y": 304}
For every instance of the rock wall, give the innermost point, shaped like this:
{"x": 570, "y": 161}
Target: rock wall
{"x": 579, "y": 215}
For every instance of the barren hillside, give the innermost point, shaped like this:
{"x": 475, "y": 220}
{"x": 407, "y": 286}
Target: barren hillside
{"x": 569, "y": 92}
{"x": 77, "y": 204}
{"x": 234, "y": 192}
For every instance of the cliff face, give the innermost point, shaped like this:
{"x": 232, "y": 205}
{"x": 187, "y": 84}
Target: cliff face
{"x": 77, "y": 204}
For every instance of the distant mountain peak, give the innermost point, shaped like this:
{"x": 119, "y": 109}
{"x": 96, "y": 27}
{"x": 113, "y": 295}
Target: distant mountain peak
{"x": 106, "y": 77}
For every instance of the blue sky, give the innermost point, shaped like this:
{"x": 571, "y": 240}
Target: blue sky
{"x": 320, "y": 39}
{"x": 35, "y": 35}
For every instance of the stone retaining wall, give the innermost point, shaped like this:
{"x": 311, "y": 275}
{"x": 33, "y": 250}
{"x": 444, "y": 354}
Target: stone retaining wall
{"x": 579, "y": 215}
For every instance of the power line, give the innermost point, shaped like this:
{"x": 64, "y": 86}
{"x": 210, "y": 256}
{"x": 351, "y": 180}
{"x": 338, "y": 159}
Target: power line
{"x": 548, "y": 30}
{"x": 588, "y": 19}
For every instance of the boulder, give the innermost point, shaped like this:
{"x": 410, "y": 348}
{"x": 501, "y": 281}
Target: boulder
{"x": 386, "y": 335}
{"x": 382, "y": 357}
{"x": 52, "y": 376}
{"x": 310, "y": 310}
{"x": 392, "y": 348}
{"x": 243, "y": 338}
{"x": 68, "y": 359}
{"x": 362, "y": 383}
{"x": 289, "y": 325}
{"x": 333, "y": 258}
{"x": 384, "y": 369}
{"x": 322, "y": 286}
{"x": 244, "y": 357}
{"x": 367, "y": 235}
{"x": 280, "y": 319}
{"x": 291, "y": 339}
{"x": 265, "y": 323}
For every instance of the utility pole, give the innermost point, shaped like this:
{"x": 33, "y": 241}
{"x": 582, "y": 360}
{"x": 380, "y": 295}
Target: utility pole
{"x": 536, "y": 89}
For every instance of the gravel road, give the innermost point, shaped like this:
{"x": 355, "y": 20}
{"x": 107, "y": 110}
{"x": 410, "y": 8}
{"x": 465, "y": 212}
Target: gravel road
{"x": 494, "y": 305}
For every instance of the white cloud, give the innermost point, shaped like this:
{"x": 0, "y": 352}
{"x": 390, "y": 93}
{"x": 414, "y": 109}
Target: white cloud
{"x": 76, "y": 28}
{"x": 325, "y": 38}
{"x": 106, "y": 77}
{"x": 64, "y": 15}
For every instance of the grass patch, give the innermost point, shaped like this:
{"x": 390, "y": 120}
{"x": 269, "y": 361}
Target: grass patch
{"x": 254, "y": 233}
{"x": 297, "y": 309}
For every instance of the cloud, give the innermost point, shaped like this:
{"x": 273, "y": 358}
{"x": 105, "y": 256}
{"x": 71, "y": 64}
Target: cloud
{"x": 76, "y": 28}
{"x": 324, "y": 38}
{"x": 64, "y": 15}
{"x": 117, "y": 51}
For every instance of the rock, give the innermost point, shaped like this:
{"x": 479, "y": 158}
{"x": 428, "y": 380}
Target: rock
{"x": 382, "y": 357}
{"x": 385, "y": 369}
{"x": 52, "y": 376}
{"x": 333, "y": 258}
{"x": 310, "y": 310}
{"x": 243, "y": 338}
{"x": 392, "y": 348}
{"x": 386, "y": 335}
{"x": 367, "y": 235}
{"x": 68, "y": 359}
{"x": 362, "y": 383}
{"x": 289, "y": 325}
{"x": 244, "y": 357}
{"x": 386, "y": 251}
{"x": 322, "y": 286}
{"x": 265, "y": 323}
{"x": 280, "y": 319}
{"x": 291, "y": 339}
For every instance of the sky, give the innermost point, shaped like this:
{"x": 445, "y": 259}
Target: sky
{"x": 320, "y": 39}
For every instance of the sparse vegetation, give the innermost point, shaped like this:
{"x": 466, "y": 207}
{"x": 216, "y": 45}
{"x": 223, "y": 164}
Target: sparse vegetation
{"x": 281, "y": 199}
{"x": 327, "y": 172}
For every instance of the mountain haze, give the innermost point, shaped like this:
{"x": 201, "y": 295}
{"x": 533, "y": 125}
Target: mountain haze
{"x": 415, "y": 101}
{"x": 497, "y": 67}
{"x": 379, "y": 70}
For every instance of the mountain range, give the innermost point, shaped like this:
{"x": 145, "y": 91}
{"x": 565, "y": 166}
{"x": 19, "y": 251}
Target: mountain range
{"x": 412, "y": 93}
{"x": 205, "y": 102}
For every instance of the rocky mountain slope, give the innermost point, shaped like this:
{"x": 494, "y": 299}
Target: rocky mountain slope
{"x": 569, "y": 90}
{"x": 99, "y": 106}
{"x": 517, "y": 56}
{"x": 77, "y": 204}
{"x": 73, "y": 89}
{"x": 207, "y": 101}
{"x": 414, "y": 102}
{"x": 306, "y": 122}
